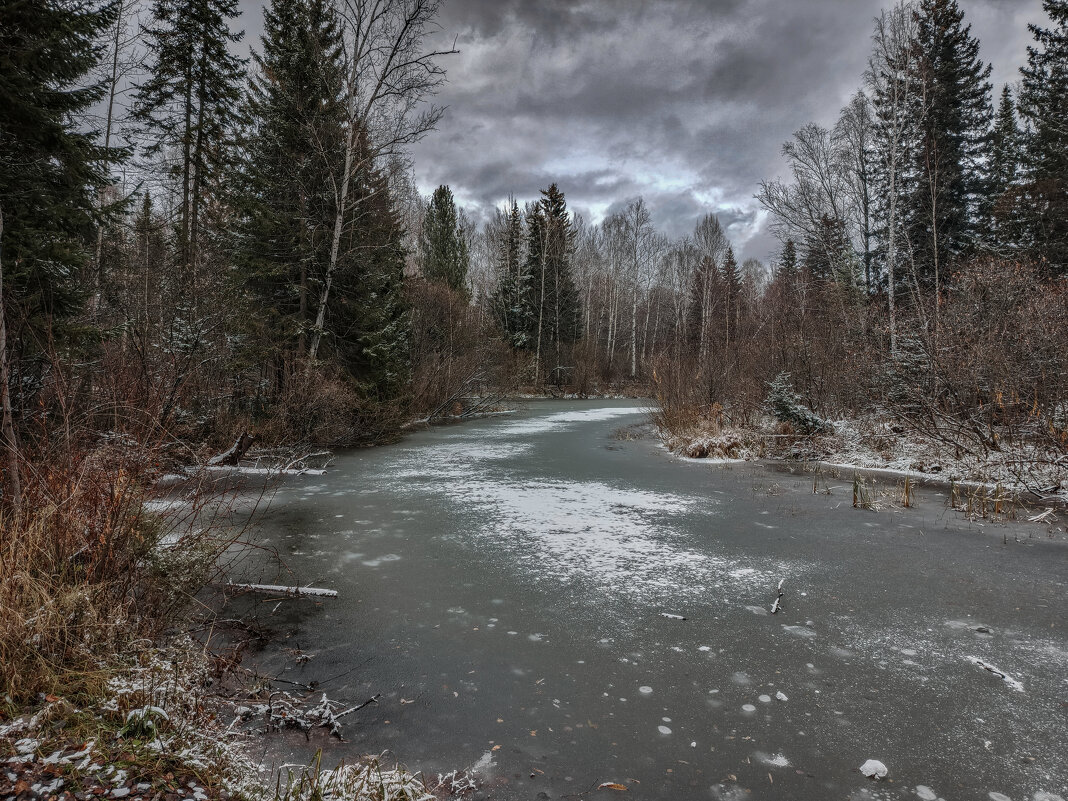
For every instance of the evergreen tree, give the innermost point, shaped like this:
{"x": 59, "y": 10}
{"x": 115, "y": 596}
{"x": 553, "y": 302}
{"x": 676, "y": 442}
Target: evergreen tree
{"x": 1002, "y": 173}
{"x": 954, "y": 128}
{"x": 51, "y": 163}
{"x": 732, "y": 280}
{"x": 551, "y": 306}
{"x": 445, "y": 256}
{"x": 829, "y": 256}
{"x": 510, "y": 303}
{"x": 286, "y": 196}
{"x": 189, "y": 105}
{"x": 368, "y": 319}
{"x": 788, "y": 261}
{"x": 1044, "y": 106}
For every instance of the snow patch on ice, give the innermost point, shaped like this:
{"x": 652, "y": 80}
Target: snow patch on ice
{"x": 775, "y": 760}
{"x": 484, "y": 763}
{"x": 874, "y": 769}
{"x": 548, "y": 422}
{"x": 800, "y": 631}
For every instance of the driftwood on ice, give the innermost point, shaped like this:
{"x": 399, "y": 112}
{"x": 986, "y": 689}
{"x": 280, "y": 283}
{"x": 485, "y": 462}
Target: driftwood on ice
{"x": 277, "y": 589}
{"x": 775, "y": 606}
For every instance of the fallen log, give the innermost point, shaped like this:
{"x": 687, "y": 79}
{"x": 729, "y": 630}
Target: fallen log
{"x": 232, "y": 457}
{"x": 290, "y": 592}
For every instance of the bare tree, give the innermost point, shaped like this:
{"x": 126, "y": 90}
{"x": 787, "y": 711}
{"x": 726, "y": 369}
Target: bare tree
{"x": 891, "y": 80}
{"x": 8, "y": 425}
{"x": 711, "y": 246}
{"x": 853, "y": 137}
{"x": 390, "y": 72}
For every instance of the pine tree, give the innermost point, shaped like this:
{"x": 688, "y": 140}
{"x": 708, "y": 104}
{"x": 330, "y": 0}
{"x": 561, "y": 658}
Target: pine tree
{"x": 189, "y": 106}
{"x": 551, "y": 304}
{"x": 954, "y": 113}
{"x": 1043, "y": 105}
{"x": 286, "y": 196}
{"x": 1003, "y": 170}
{"x": 445, "y": 256}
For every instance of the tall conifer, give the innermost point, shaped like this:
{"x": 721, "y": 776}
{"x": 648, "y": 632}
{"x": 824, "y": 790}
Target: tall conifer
{"x": 189, "y": 106}
{"x": 1043, "y": 104}
{"x": 286, "y": 201}
{"x": 954, "y": 129}
{"x": 445, "y": 256}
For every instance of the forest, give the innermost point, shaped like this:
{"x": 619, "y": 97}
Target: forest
{"x": 196, "y": 245}
{"x": 198, "y": 248}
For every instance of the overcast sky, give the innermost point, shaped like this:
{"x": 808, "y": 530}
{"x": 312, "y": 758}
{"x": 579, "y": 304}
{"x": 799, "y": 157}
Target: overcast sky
{"x": 685, "y": 102}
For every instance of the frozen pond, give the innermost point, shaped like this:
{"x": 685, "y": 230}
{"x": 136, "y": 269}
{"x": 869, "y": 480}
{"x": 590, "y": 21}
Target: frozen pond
{"x": 512, "y": 588}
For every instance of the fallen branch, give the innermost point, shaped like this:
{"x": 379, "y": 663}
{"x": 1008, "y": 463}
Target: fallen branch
{"x": 290, "y": 592}
{"x": 775, "y": 606}
{"x": 1043, "y": 517}
{"x": 1001, "y": 674}
{"x": 372, "y": 700}
{"x": 302, "y": 459}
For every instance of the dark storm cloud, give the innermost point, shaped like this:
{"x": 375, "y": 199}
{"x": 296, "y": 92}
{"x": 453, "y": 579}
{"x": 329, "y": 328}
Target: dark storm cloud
{"x": 686, "y": 102}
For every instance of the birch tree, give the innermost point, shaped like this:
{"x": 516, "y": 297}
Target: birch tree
{"x": 391, "y": 72}
{"x": 891, "y": 80}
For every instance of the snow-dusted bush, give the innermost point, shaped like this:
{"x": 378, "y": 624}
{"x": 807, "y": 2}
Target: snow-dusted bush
{"x": 787, "y": 407}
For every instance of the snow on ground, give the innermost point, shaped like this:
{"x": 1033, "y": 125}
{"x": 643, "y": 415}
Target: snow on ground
{"x": 872, "y": 444}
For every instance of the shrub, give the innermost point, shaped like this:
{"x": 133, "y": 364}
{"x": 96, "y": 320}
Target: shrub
{"x": 786, "y": 406}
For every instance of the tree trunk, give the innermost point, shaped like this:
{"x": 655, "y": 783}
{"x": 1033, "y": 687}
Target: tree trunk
{"x": 14, "y": 487}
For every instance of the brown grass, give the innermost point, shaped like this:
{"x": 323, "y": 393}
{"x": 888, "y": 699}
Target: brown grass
{"x": 83, "y": 568}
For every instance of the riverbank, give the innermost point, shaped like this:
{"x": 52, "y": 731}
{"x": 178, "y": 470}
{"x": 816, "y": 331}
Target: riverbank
{"x": 161, "y": 727}
{"x": 874, "y": 445}
{"x": 104, "y": 692}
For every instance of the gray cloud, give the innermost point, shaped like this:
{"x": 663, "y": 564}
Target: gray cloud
{"x": 685, "y": 102}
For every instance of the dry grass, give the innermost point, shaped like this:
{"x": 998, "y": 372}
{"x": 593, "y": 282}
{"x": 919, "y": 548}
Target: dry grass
{"x": 85, "y": 568}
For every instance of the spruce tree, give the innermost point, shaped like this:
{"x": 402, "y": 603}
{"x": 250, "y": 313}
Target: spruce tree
{"x": 1003, "y": 170}
{"x": 954, "y": 129}
{"x": 368, "y": 320}
{"x": 1043, "y": 105}
{"x": 551, "y": 303}
{"x": 788, "y": 261}
{"x": 732, "y": 280}
{"x": 51, "y": 162}
{"x": 445, "y": 256}
{"x": 189, "y": 107}
{"x": 510, "y": 303}
{"x": 286, "y": 199}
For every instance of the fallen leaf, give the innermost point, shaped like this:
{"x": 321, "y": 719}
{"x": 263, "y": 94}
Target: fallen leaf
{"x": 611, "y": 786}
